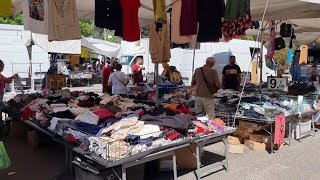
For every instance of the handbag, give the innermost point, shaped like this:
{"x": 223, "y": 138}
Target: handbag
{"x": 4, "y": 158}
{"x": 211, "y": 89}
{"x": 125, "y": 85}
{"x": 279, "y": 43}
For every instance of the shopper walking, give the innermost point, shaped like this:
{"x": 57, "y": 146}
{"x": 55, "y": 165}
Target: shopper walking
{"x": 231, "y": 78}
{"x": 207, "y": 84}
{"x": 106, "y": 74}
{"x": 118, "y": 80}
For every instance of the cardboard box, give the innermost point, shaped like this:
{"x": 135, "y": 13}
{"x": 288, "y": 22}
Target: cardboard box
{"x": 249, "y": 125}
{"x": 243, "y": 135}
{"x": 236, "y": 149}
{"x": 262, "y": 138}
{"x": 236, "y": 140}
{"x": 244, "y": 130}
{"x": 185, "y": 157}
{"x": 256, "y": 146}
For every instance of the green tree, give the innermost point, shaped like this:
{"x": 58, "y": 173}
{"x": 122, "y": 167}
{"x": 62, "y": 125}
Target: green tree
{"x": 86, "y": 28}
{"x": 248, "y": 38}
{"x": 16, "y": 20}
{"x": 280, "y": 57}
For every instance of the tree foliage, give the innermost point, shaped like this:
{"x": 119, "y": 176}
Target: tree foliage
{"x": 248, "y": 38}
{"x": 280, "y": 57}
{"x": 87, "y": 28}
{"x": 16, "y": 20}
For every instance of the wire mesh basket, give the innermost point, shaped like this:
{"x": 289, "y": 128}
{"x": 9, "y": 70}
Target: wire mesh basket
{"x": 205, "y": 126}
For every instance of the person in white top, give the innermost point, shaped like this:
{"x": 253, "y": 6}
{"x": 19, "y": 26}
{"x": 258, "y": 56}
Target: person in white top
{"x": 118, "y": 80}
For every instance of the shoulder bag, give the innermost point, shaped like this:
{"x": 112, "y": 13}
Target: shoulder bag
{"x": 211, "y": 89}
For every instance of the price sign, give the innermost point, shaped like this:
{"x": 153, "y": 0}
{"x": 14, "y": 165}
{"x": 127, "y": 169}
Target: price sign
{"x": 55, "y": 82}
{"x": 277, "y": 84}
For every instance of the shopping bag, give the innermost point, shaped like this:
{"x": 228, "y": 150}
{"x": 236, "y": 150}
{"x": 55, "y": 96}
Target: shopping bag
{"x": 4, "y": 158}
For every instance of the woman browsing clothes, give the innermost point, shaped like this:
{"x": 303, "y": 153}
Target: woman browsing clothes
{"x": 118, "y": 80}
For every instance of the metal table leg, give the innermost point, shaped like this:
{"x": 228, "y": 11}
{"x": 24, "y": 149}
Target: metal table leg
{"x": 290, "y": 132}
{"x": 271, "y": 139}
{"x": 198, "y": 162}
{"x": 124, "y": 173}
{"x": 226, "y": 152}
{"x": 313, "y": 128}
{"x": 300, "y": 132}
{"x": 175, "y": 174}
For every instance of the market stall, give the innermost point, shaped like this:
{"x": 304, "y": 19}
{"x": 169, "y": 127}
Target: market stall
{"x": 110, "y": 131}
{"x": 258, "y": 114}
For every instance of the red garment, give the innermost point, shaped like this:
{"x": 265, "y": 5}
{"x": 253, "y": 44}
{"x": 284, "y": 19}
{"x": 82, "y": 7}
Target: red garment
{"x": 86, "y": 104}
{"x": 137, "y": 74}
{"x": 27, "y": 113}
{"x": 280, "y": 129}
{"x": 103, "y": 114}
{"x": 272, "y": 39}
{"x": 106, "y": 74}
{"x": 131, "y": 28}
{"x": 189, "y": 18}
{"x": 2, "y": 83}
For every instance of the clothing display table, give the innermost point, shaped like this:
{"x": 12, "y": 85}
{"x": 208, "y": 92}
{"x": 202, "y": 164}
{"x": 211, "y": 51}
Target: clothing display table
{"x": 208, "y": 140}
{"x": 59, "y": 140}
{"x": 80, "y": 79}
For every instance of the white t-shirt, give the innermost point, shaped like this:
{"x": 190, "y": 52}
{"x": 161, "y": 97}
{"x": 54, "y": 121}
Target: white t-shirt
{"x": 115, "y": 79}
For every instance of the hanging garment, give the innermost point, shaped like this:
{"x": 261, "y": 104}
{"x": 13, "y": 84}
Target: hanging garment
{"x": 280, "y": 129}
{"x": 285, "y": 30}
{"x": 131, "y": 28}
{"x": 279, "y": 43}
{"x": 303, "y": 55}
{"x": 289, "y": 58}
{"x": 35, "y": 14}
{"x": 175, "y": 24}
{"x": 188, "y": 18}
{"x": 159, "y": 44}
{"x": 210, "y": 28}
{"x": 255, "y": 25}
{"x": 5, "y": 8}
{"x": 237, "y": 19}
{"x": 63, "y": 20}
{"x": 108, "y": 14}
{"x": 272, "y": 39}
{"x": 160, "y": 13}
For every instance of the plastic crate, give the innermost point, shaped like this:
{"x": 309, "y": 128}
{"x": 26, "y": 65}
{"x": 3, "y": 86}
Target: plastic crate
{"x": 305, "y": 127}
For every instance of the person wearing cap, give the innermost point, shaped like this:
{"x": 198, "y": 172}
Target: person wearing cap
{"x": 231, "y": 75}
{"x": 207, "y": 83}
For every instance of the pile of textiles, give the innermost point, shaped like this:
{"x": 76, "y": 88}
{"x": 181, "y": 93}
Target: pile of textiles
{"x": 261, "y": 106}
{"x": 111, "y": 126}
{"x": 301, "y": 88}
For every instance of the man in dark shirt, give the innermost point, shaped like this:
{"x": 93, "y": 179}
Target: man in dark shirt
{"x": 231, "y": 78}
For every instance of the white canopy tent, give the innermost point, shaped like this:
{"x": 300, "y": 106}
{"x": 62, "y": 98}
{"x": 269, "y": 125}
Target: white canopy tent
{"x": 72, "y": 46}
{"x": 275, "y": 10}
{"x": 307, "y": 31}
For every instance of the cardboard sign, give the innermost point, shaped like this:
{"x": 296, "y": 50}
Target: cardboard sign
{"x": 278, "y": 84}
{"x": 56, "y": 82}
